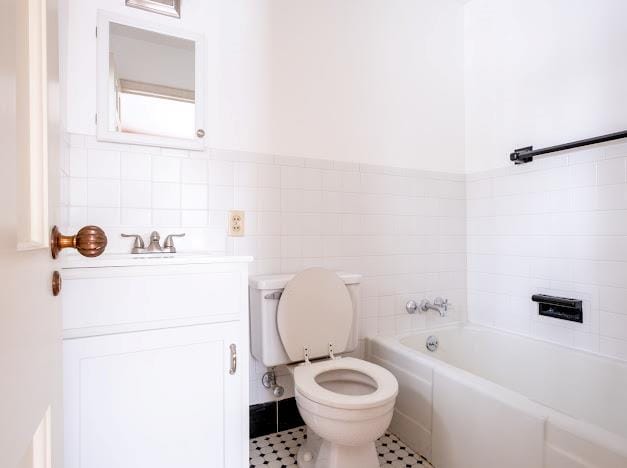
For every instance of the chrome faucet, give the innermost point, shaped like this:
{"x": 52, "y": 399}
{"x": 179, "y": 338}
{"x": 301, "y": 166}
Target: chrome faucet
{"x": 154, "y": 246}
{"x": 438, "y": 305}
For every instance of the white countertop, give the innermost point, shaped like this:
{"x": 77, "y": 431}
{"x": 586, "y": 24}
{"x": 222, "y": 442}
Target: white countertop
{"x": 124, "y": 260}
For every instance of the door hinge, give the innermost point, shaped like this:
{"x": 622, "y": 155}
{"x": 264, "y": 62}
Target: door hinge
{"x": 96, "y": 31}
{"x": 96, "y": 119}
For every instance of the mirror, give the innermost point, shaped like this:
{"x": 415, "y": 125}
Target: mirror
{"x": 148, "y": 86}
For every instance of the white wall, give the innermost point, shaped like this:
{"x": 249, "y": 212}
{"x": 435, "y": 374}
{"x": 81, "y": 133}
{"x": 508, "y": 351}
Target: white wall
{"x": 556, "y": 227}
{"x": 403, "y": 229}
{"x": 546, "y": 72}
{"x": 357, "y": 80}
{"x": 541, "y": 72}
{"x": 304, "y": 98}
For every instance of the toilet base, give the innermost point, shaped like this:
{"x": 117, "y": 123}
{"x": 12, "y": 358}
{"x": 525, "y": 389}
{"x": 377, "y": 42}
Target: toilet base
{"x": 319, "y": 453}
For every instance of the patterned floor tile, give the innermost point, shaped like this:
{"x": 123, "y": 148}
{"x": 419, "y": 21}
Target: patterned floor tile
{"x": 279, "y": 451}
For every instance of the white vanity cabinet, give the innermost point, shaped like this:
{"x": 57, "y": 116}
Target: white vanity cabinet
{"x": 156, "y": 363}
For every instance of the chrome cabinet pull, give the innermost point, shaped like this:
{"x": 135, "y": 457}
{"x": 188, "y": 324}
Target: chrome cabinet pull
{"x": 233, "y": 369}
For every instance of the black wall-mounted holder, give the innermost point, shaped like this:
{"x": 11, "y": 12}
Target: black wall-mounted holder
{"x": 559, "y": 307}
{"x": 526, "y": 154}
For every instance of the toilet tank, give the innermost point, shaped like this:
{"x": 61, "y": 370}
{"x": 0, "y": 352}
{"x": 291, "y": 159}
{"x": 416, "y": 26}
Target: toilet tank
{"x": 264, "y": 294}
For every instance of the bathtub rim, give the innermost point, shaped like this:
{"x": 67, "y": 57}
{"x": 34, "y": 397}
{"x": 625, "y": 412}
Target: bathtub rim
{"x": 499, "y": 331}
{"x": 585, "y": 430}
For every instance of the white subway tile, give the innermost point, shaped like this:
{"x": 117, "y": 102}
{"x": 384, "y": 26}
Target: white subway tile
{"x": 103, "y": 164}
{"x": 614, "y": 325}
{"x": 103, "y": 193}
{"x": 194, "y": 218}
{"x": 194, "y": 171}
{"x": 78, "y": 192}
{"x": 221, "y": 197}
{"x": 166, "y": 195}
{"x": 613, "y": 347}
{"x": 136, "y": 194}
{"x": 246, "y": 175}
{"x": 269, "y": 176}
{"x": 78, "y": 162}
{"x": 221, "y": 173}
{"x": 166, "y": 169}
{"x": 136, "y": 166}
{"x": 103, "y": 216}
{"x": 77, "y": 215}
{"x": 167, "y": 218}
{"x": 136, "y": 217}
{"x": 611, "y": 171}
{"x": 193, "y": 197}
{"x": 613, "y": 299}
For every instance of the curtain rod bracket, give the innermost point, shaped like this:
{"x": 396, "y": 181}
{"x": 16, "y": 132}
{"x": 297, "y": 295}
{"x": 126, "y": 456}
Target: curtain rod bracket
{"x": 518, "y": 156}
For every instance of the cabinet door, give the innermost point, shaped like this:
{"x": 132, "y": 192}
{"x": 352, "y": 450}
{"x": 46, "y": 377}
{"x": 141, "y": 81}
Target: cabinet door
{"x": 156, "y": 399}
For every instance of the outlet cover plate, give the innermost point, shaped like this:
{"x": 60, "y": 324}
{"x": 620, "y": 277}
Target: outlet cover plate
{"x": 236, "y": 223}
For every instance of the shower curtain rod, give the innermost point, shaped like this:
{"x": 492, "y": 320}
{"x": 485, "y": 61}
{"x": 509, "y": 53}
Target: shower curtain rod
{"x": 525, "y": 155}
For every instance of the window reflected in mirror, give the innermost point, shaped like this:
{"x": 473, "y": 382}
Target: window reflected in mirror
{"x": 151, "y": 83}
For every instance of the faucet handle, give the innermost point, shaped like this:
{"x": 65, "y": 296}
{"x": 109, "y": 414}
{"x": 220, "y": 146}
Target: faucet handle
{"x": 168, "y": 244}
{"x": 411, "y": 307}
{"x": 138, "y": 244}
{"x": 441, "y": 303}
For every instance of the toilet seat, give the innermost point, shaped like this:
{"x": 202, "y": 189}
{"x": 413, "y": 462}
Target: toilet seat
{"x": 305, "y": 382}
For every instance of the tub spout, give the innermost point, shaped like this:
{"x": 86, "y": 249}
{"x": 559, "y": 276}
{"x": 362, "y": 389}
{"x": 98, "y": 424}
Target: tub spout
{"x": 439, "y": 305}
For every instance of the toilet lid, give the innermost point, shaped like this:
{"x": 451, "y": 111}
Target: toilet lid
{"x": 315, "y": 310}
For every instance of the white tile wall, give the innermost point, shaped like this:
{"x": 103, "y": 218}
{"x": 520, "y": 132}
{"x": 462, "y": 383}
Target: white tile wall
{"x": 403, "y": 229}
{"x": 559, "y": 226}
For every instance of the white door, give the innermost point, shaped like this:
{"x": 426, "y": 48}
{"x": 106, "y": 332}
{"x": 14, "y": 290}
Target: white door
{"x": 154, "y": 399}
{"x": 30, "y": 324}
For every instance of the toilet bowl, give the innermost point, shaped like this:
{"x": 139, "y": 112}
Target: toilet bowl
{"x": 347, "y": 404}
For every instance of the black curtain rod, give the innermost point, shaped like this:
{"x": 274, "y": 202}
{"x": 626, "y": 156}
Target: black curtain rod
{"x": 525, "y": 155}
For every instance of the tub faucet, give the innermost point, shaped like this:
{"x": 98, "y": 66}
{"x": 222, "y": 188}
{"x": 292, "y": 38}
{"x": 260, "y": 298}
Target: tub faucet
{"x": 438, "y": 305}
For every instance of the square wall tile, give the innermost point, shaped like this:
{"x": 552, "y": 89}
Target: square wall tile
{"x": 78, "y": 162}
{"x": 136, "y": 194}
{"x": 103, "y": 193}
{"x": 103, "y": 164}
{"x": 166, "y": 195}
{"x": 193, "y": 197}
{"x": 194, "y": 171}
{"x": 166, "y": 169}
{"x": 136, "y": 217}
{"x": 136, "y": 166}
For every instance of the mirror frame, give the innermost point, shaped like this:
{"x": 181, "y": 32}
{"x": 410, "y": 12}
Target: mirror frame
{"x": 102, "y": 112}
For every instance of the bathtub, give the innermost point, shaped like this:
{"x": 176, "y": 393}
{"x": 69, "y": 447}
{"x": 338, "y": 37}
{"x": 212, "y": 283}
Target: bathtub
{"x": 491, "y": 399}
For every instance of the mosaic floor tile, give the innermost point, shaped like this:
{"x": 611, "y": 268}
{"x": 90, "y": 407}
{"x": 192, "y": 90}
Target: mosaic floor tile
{"x": 279, "y": 451}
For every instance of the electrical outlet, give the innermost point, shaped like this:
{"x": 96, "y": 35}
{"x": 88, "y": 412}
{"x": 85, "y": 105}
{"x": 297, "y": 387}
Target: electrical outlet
{"x": 236, "y": 223}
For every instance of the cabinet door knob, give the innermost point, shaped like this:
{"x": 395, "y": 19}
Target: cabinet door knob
{"x": 89, "y": 241}
{"x": 57, "y": 283}
{"x": 233, "y": 368}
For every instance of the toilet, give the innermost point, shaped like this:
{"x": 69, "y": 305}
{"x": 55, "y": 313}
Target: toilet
{"x": 307, "y": 321}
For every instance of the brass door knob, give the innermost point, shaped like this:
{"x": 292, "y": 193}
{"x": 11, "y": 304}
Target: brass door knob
{"x": 90, "y": 241}
{"x": 57, "y": 282}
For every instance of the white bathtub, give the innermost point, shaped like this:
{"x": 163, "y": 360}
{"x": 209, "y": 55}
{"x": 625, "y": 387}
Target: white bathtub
{"x": 496, "y": 400}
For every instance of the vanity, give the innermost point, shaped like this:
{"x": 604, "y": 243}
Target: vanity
{"x": 155, "y": 358}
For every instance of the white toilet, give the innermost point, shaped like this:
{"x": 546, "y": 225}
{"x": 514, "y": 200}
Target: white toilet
{"x": 307, "y": 321}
